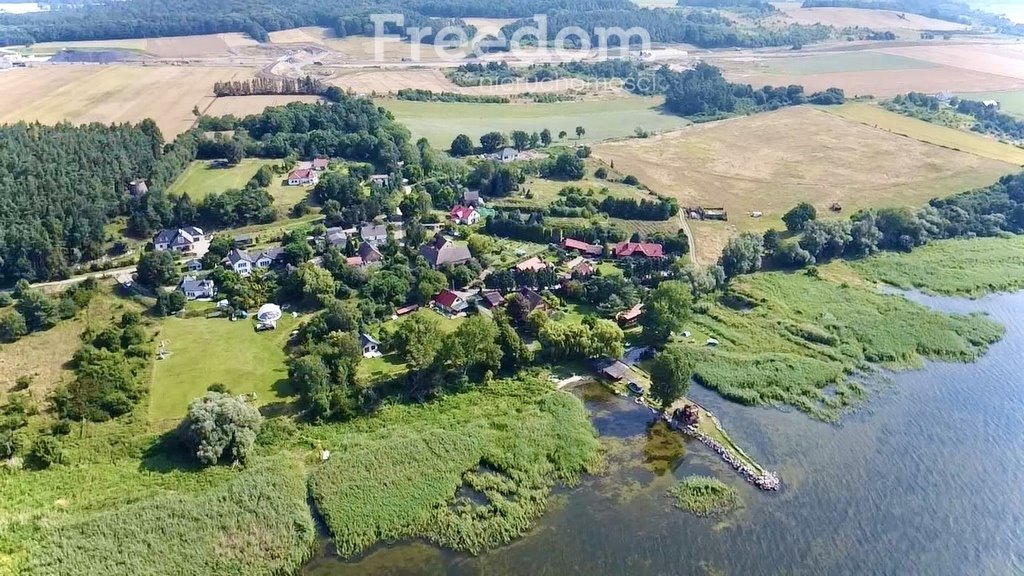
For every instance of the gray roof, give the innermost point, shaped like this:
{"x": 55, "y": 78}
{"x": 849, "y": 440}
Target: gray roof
{"x": 365, "y": 339}
{"x": 191, "y": 284}
{"x": 235, "y": 256}
{"x": 272, "y": 253}
{"x": 443, "y": 251}
{"x": 368, "y": 253}
{"x": 373, "y": 231}
{"x": 167, "y": 235}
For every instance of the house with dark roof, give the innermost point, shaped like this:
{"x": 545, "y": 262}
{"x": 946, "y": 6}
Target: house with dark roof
{"x": 491, "y": 299}
{"x": 370, "y": 345}
{"x": 450, "y": 302}
{"x": 472, "y": 198}
{"x": 303, "y": 177}
{"x": 195, "y": 288}
{"x": 442, "y": 251}
{"x": 184, "y": 239}
{"x": 534, "y": 301}
{"x": 630, "y": 317}
{"x": 244, "y": 262}
{"x": 194, "y": 265}
{"x": 582, "y": 247}
{"x": 337, "y": 237}
{"x": 368, "y": 254}
{"x": 638, "y": 249}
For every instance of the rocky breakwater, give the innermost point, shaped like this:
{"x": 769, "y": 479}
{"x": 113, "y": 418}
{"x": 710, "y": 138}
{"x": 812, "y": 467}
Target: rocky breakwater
{"x": 763, "y": 479}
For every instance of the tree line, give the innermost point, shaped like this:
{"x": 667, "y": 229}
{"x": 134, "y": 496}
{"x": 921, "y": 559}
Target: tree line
{"x": 268, "y": 86}
{"x": 987, "y": 119}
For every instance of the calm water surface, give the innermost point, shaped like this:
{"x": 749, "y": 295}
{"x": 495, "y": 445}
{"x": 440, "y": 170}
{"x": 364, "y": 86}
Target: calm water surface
{"x": 928, "y": 478}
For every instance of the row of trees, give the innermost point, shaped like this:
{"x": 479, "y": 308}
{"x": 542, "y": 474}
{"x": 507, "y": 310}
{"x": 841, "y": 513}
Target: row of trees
{"x": 268, "y": 86}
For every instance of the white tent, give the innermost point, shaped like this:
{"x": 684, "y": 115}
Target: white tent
{"x": 269, "y": 313}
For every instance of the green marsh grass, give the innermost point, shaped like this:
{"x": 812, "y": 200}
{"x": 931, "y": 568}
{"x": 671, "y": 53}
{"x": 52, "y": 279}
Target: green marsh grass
{"x": 466, "y": 472}
{"x": 704, "y": 496}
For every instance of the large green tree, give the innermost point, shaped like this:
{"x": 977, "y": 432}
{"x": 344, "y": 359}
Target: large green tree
{"x": 666, "y": 311}
{"x": 220, "y": 428}
{"x": 671, "y": 372}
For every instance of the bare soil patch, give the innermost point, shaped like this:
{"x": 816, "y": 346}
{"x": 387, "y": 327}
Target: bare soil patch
{"x": 769, "y": 162}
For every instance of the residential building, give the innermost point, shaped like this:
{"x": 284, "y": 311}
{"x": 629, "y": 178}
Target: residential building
{"x": 491, "y": 299}
{"x": 368, "y": 254}
{"x": 382, "y": 180}
{"x": 508, "y": 155}
{"x": 534, "y": 301}
{"x": 179, "y": 239}
{"x": 303, "y": 177}
{"x": 580, "y": 267}
{"x": 582, "y": 247}
{"x": 442, "y": 251}
{"x": 472, "y": 198}
{"x": 374, "y": 234}
{"x": 194, "y": 265}
{"x": 450, "y": 302}
{"x": 370, "y": 345}
{"x": 137, "y": 187}
{"x": 630, "y": 317}
{"x": 197, "y": 288}
{"x": 244, "y": 263}
{"x": 535, "y": 264}
{"x": 319, "y": 164}
{"x": 464, "y": 215}
{"x": 638, "y": 249}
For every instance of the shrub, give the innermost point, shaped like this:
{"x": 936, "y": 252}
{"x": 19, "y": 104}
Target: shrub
{"x": 12, "y": 327}
{"x": 601, "y": 173}
{"x": 46, "y": 451}
{"x": 5, "y": 299}
{"x": 631, "y": 180}
{"x": 220, "y": 427}
{"x": 11, "y": 442}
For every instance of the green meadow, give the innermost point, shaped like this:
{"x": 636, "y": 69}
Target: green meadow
{"x": 441, "y": 122}
{"x": 837, "y": 62}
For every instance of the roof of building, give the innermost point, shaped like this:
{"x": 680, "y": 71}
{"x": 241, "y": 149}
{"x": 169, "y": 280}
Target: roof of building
{"x": 273, "y": 253}
{"x": 462, "y": 212}
{"x": 534, "y": 264}
{"x": 492, "y": 297}
{"x": 533, "y": 299}
{"x": 616, "y": 370}
{"x": 647, "y": 249}
{"x": 368, "y": 253}
{"x": 443, "y": 251}
{"x": 193, "y": 284}
{"x": 583, "y": 268}
{"x": 300, "y": 174}
{"x": 354, "y": 260}
{"x": 320, "y": 162}
{"x": 235, "y": 256}
{"x": 573, "y": 244}
{"x": 631, "y": 314}
{"x": 448, "y": 299}
{"x": 373, "y": 231}
{"x": 470, "y": 196}
{"x": 366, "y": 339}
{"x": 406, "y": 309}
{"x": 167, "y": 235}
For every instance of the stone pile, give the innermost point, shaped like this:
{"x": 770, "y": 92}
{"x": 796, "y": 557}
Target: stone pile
{"x": 764, "y": 481}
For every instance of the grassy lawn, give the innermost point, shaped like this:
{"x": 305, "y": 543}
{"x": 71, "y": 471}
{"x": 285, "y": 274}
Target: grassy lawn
{"x": 509, "y": 252}
{"x": 1011, "y": 102}
{"x": 946, "y": 137}
{"x": 205, "y": 351}
{"x": 201, "y": 179}
{"x": 441, "y": 122}
{"x": 860, "y": 61}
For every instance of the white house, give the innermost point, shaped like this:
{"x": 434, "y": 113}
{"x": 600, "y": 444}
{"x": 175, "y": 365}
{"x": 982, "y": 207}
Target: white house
{"x": 303, "y": 177}
{"x": 188, "y": 239}
{"x": 374, "y": 234}
{"x": 197, "y": 288}
{"x": 244, "y": 263}
{"x": 465, "y": 215}
{"x": 370, "y": 345}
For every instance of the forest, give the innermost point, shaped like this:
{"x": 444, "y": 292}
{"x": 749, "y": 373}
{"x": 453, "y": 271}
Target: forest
{"x": 154, "y": 18}
{"x": 61, "y": 185}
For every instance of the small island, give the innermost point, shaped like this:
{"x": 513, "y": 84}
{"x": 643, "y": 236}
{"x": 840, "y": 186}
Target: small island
{"x": 704, "y": 496}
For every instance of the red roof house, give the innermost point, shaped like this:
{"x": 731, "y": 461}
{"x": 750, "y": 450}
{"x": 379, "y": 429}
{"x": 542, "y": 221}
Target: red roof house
{"x": 535, "y": 264}
{"x": 630, "y": 317}
{"x": 639, "y": 249}
{"x": 585, "y": 248}
{"x": 464, "y": 215}
{"x": 450, "y": 302}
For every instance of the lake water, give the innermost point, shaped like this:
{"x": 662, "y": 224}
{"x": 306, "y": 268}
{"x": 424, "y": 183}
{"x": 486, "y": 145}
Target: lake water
{"x": 927, "y": 478}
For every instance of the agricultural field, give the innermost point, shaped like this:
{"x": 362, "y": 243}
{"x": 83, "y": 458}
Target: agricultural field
{"x": 442, "y": 122}
{"x": 244, "y": 105}
{"x": 971, "y": 267}
{"x": 849, "y": 17}
{"x": 201, "y": 45}
{"x": 996, "y": 59}
{"x": 1009, "y": 102}
{"x": 806, "y": 155}
{"x": 112, "y": 94}
{"x": 943, "y": 136}
{"x": 836, "y": 62}
{"x": 205, "y": 351}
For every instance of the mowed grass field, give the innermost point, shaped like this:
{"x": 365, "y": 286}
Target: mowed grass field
{"x": 1009, "y": 102}
{"x": 204, "y": 351}
{"x": 441, "y": 122}
{"x": 201, "y": 179}
{"x": 115, "y": 93}
{"x": 770, "y": 162}
{"x": 952, "y": 138}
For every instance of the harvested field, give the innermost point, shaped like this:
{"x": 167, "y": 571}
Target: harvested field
{"x": 441, "y": 122}
{"x": 197, "y": 46}
{"x": 876, "y": 19}
{"x": 950, "y": 138}
{"x": 133, "y": 44}
{"x": 386, "y": 81}
{"x": 996, "y": 59}
{"x": 769, "y": 162}
{"x": 112, "y": 94}
{"x": 854, "y": 61}
{"x": 245, "y": 105}
{"x": 882, "y": 83}
{"x": 307, "y": 35}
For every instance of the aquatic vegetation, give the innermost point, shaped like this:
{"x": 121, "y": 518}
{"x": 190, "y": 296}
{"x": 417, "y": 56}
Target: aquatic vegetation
{"x": 258, "y": 523}
{"x": 804, "y": 337}
{"x": 466, "y": 472}
{"x": 662, "y": 447}
{"x": 971, "y": 267}
{"x": 704, "y": 496}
